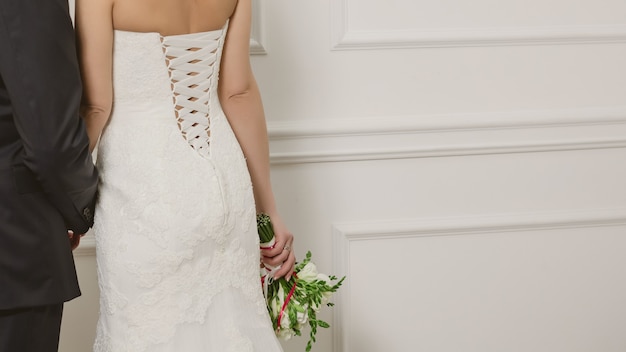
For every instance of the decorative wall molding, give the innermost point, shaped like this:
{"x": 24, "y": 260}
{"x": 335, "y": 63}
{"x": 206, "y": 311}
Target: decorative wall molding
{"x": 87, "y": 246}
{"x": 257, "y": 35}
{"x": 448, "y": 122}
{"x": 345, "y": 234}
{"x": 421, "y": 136}
{"x": 345, "y": 38}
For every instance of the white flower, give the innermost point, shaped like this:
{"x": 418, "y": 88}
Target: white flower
{"x": 285, "y": 334}
{"x": 326, "y": 297}
{"x": 308, "y": 273}
{"x": 275, "y": 304}
{"x": 280, "y": 298}
{"x": 285, "y": 322}
{"x": 302, "y": 317}
{"x": 324, "y": 277}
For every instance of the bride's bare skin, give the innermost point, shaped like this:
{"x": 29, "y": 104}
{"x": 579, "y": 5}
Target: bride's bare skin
{"x": 169, "y": 17}
{"x": 96, "y": 21}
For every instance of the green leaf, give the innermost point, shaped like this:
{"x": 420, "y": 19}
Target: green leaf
{"x": 323, "y": 324}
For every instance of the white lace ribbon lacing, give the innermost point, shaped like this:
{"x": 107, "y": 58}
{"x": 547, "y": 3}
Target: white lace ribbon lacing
{"x": 193, "y": 64}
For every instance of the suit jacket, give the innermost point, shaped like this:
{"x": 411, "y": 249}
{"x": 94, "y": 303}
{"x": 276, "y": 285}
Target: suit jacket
{"x": 47, "y": 178}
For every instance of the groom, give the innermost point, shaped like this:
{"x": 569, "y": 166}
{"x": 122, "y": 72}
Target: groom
{"x": 47, "y": 178}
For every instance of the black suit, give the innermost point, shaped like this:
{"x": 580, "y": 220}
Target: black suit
{"x": 47, "y": 178}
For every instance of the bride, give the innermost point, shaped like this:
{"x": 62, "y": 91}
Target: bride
{"x": 170, "y": 97}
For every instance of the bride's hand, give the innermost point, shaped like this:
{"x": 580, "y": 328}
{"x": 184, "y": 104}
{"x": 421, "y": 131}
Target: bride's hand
{"x": 74, "y": 239}
{"x": 282, "y": 252}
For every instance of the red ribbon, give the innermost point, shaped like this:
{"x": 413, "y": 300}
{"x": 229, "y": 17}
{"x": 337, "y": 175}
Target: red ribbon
{"x": 270, "y": 241}
{"x": 287, "y": 299}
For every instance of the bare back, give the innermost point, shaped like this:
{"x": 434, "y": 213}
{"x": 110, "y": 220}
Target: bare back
{"x": 169, "y": 17}
{"x": 97, "y": 20}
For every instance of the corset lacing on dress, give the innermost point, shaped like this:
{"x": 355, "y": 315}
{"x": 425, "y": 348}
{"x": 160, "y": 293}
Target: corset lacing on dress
{"x": 192, "y": 60}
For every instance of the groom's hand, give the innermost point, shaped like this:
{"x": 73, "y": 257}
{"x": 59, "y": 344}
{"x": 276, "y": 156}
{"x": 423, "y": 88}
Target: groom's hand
{"x": 74, "y": 239}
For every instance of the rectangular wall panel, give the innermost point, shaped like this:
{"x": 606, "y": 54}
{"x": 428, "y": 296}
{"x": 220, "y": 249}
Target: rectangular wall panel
{"x": 504, "y": 284}
{"x": 372, "y": 24}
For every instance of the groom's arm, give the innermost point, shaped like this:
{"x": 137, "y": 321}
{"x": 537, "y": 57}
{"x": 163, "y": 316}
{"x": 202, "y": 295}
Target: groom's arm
{"x": 39, "y": 68}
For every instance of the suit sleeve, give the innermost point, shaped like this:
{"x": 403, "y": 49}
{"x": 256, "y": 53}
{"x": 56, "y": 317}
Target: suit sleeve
{"x": 39, "y": 68}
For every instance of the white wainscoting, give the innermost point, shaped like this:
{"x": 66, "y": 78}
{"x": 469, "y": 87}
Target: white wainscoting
{"x": 446, "y": 135}
{"x": 345, "y": 38}
{"x": 257, "y": 31}
{"x": 482, "y": 283}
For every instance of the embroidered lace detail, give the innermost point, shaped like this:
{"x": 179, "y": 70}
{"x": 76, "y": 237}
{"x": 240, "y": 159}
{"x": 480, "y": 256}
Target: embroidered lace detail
{"x": 176, "y": 241}
{"x": 193, "y": 63}
{"x": 240, "y": 343}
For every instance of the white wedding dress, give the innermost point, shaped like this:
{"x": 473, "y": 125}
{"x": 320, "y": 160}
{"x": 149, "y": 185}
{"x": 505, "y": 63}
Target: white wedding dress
{"x": 175, "y": 228}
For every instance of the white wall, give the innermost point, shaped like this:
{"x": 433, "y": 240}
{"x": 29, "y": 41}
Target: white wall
{"x": 462, "y": 162}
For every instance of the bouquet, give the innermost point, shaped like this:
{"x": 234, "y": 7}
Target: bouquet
{"x": 294, "y": 304}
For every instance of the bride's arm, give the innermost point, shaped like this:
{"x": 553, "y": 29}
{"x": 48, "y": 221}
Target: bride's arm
{"x": 241, "y": 101}
{"x": 94, "y": 33}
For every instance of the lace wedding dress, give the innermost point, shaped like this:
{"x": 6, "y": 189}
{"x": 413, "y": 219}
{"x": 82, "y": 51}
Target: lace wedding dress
{"x": 177, "y": 248}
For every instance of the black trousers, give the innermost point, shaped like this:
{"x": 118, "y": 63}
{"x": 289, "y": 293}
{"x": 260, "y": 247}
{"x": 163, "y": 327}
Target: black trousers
{"x": 33, "y": 329}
